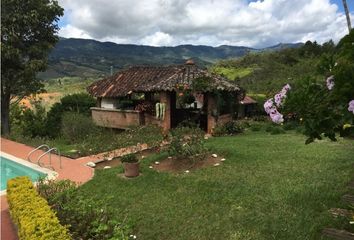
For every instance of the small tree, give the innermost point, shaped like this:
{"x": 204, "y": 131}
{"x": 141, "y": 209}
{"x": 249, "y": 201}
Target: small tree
{"x": 28, "y": 31}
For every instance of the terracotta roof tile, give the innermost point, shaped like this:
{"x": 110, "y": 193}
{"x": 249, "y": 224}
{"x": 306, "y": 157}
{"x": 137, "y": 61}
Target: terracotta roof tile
{"x": 150, "y": 79}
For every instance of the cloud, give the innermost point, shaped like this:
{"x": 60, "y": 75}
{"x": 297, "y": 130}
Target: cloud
{"x": 207, "y": 22}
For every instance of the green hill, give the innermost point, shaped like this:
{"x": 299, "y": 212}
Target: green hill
{"x": 267, "y": 72}
{"x": 90, "y": 58}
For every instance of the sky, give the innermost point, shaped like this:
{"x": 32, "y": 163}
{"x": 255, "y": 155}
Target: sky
{"x": 256, "y": 23}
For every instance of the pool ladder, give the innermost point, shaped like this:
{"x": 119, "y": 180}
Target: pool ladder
{"x": 48, "y": 151}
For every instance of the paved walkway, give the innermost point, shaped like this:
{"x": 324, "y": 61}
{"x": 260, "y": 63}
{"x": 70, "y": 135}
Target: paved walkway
{"x": 75, "y": 170}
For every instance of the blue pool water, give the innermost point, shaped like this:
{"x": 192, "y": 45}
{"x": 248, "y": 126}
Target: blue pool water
{"x": 11, "y": 169}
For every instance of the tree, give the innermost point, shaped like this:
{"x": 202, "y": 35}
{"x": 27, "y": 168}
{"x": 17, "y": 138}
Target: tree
{"x": 347, "y": 14}
{"x": 28, "y": 32}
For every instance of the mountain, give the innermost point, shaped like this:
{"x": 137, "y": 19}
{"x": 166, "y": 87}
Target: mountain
{"x": 91, "y": 58}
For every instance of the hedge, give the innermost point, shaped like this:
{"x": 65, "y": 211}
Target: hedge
{"x": 32, "y": 214}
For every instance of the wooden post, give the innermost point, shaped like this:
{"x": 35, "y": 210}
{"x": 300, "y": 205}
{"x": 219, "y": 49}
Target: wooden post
{"x": 165, "y": 97}
{"x": 211, "y": 109}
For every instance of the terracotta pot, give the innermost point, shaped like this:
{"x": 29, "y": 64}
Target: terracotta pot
{"x": 131, "y": 169}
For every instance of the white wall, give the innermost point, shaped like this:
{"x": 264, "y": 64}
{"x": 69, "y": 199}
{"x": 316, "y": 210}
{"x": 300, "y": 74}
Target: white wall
{"x": 108, "y": 103}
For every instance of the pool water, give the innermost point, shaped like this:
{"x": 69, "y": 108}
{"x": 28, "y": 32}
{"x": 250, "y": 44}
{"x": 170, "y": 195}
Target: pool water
{"x": 11, "y": 169}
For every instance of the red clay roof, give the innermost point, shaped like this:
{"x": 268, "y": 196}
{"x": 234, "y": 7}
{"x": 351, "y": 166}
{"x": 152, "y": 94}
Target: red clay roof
{"x": 150, "y": 79}
{"x": 248, "y": 100}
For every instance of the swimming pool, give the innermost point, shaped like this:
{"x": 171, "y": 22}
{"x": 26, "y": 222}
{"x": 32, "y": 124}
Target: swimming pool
{"x": 13, "y": 167}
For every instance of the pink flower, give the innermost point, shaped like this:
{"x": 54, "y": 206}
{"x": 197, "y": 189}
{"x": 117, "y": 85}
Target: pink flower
{"x": 286, "y": 87}
{"x": 268, "y": 106}
{"x": 330, "y": 82}
{"x": 278, "y": 99}
{"x": 351, "y": 106}
{"x": 276, "y": 116}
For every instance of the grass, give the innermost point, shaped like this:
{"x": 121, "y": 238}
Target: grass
{"x": 270, "y": 187}
{"x": 233, "y": 73}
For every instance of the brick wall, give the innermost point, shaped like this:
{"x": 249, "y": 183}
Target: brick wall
{"x": 115, "y": 118}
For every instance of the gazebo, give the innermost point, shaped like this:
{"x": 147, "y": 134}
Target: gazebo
{"x": 164, "y": 95}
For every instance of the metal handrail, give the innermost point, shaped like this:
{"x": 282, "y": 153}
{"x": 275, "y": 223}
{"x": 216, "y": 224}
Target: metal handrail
{"x": 50, "y": 157}
{"x": 37, "y": 148}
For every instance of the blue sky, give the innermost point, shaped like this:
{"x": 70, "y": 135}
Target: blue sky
{"x": 205, "y": 22}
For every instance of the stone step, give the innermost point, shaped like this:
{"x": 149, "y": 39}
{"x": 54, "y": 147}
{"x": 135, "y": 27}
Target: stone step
{"x": 339, "y": 212}
{"x": 338, "y": 234}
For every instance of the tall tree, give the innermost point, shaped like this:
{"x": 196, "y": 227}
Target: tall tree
{"x": 347, "y": 14}
{"x": 28, "y": 32}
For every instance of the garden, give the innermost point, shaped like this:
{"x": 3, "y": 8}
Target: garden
{"x": 279, "y": 190}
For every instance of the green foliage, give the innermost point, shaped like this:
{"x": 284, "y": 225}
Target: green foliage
{"x": 322, "y": 110}
{"x": 29, "y": 122}
{"x": 268, "y": 182}
{"x": 187, "y": 142}
{"x": 31, "y": 213}
{"x": 255, "y": 127}
{"x": 27, "y": 35}
{"x": 87, "y": 219}
{"x": 76, "y": 127}
{"x": 78, "y": 102}
{"x": 228, "y": 128}
{"x": 129, "y": 158}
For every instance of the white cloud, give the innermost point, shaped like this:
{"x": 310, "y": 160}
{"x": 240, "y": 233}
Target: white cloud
{"x": 73, "y": 32}
{"x": 207, "y": 22}
{"x": 158, "y": 39}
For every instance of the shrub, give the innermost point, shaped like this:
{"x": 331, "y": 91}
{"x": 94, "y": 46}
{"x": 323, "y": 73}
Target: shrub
{"x": 87, "y": 218}
{"x": 33, "y": 122}
{"x": 129, "y": 158}
{"x": 76, "y": 127}
{"x": 31, "y": 213}
{"x": 277, "y": 130}
{"x": 228, "y": 128}
{"x": 290, "y": 125}
{"x": 78, "y": 103}
{"x": 256, "y": 127}
{"x": 187, "y": 142}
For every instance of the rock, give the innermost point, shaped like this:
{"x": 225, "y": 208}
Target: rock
{"x": 206, "y": 137}
{"x": 91, "y": 164}
{"x": 187, "y": 171}
{"x": 216, "y": 164}
{"x": 107, "y": 167}
{"x": 109, "y": 159}
{"x": 169, "y": 157}
{"x": 157, "y": 163}
{"x": 223, "y": 159}
{"x": 214, "y": 155}
{"x": 142, "y": 157}
{"x": 151, "y": 167}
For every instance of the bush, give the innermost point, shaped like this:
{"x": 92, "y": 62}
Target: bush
{"x": 31, "y": 213}
{"x": 187, "y": 142}
{"x": 87, "y": 219}
{"x": 228, "y": 128}
{"x": 78, "y": 103}
{"x": 30, "y": 122}
{"x": 129, "y": 158}
{"x": 291, "y": 125}
{"x": 76, "y": 127}
{"x": 256, "y": 127}
{"x": 277, "y": 130}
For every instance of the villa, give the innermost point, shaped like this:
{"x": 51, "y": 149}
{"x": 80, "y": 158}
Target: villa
{"x": 142, "y": 95}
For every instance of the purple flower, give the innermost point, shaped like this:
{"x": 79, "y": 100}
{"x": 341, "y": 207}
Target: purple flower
{"x": 276, "y": 116}
{"x": 268, "y": 106}
{"x": 278, "y": 99}
{"x": 286, "y": 88}
{"x": 351, "y": 106}
{"x": 330, "y": 82}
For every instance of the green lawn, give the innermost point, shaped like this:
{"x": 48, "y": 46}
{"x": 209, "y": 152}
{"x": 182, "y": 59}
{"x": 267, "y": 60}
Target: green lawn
{"x": 270, "y": 187}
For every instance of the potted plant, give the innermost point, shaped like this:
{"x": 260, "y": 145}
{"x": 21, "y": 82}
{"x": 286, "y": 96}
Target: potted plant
{"x": 131, "y": 165}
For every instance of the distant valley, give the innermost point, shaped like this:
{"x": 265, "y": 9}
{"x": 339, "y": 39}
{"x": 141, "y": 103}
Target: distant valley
{"x": 89, "y": 58}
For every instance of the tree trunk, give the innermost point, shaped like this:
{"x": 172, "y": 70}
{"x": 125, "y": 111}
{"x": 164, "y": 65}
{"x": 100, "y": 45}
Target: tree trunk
{"x": 5, "y": 114}
{"x": 347, "y": 14}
